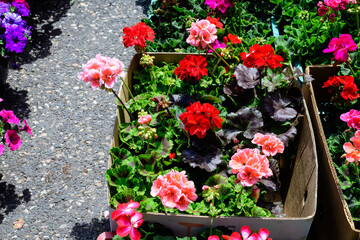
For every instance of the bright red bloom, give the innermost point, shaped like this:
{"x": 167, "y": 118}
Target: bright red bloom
{"x": 191, "y": 68}
{"x": 137, "y": 35}
{"x": 172, "y": 155}
{"x": 234, "y": 39}
{"x": 345, "y": 84}
{"x": 260, "y": 57}
{"x": 125, "y": 209}
{"x": 216, "y": 22}
{"x": 200, "y": 118}
{"x": 128, "y": 226}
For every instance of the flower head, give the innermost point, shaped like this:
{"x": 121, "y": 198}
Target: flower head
{"x": 137, "y": 35}
{"x": 216, "y": 22}
{"x": 4, "y": 7}
{"x": 220, "y": 5}
{"x": 15, "y": 38}
{"x": 271, "y": 145}
{"x": 234, "y": 39}
{"x": 146, "y": 119}
{"x": 128, "y": 226}
{"x": 352, "y": 118}
{"x": 12, "y": 139}
{"x": 260, "y": 57}
{"x": 202, "y": 33}
{"x": 340, "y": 47}
{"x": 26, "y": 128}
{"x": 250, "y": 166}
{"x": 216, "y": 45}
{"x": 21, "y": 8}
{"x": 9, "y": 117}
{"x": 352, "y": 150}
{"x": 125, "y": 209}
{"x": 102, "y": 72}
{"x": 245, "y": 235}
{"x": 191, "y": 68}
{"x": 200, "y": 118}
{"x": 174, "y": 190}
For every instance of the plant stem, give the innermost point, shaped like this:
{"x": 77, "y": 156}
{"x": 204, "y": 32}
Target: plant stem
{"x": 194, "y": 89}
{"x": 238, "y": 197}
{"x": 147, "y": 147}
{"x": 212, "y": 218}
{"x": 217, "y": 63}
{"x": 217, "y": 54}
{"x": 318, "y": 31}
{"x": 357, "y": 19}
{"x": 131, "y": 95}
{"x": 122, "y": 103}
{"x": 352, "y": 70}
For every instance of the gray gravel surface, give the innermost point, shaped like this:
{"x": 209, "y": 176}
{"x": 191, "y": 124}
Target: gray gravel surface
{"x": 55, "y": 182}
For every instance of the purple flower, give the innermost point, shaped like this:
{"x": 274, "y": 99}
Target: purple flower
{"x": 9, "y": 117}
{"x": 15, "y": 39}
{"x": 12, "y": 18}
{"x": 4, "y": 8}
{"x": 12, "y": 139}
{"x": 21, "y": 9}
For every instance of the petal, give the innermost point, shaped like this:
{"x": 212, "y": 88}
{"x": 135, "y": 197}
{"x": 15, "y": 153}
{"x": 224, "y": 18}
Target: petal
{"x": 245, "y": 231}
{"x": 348, "y": 147}
{"x": 123, "y": 231}
{"x": 235, "y": 236}
{"x": 135, "y": 234}
{"x": 263, "y": 234}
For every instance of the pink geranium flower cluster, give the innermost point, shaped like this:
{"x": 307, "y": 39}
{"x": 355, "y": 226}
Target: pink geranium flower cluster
{"x": 340, "y": 47}
{"x": 202, "y": 33}
{"x": 128, "y": 220}
{"x": 102, "y": 72}
{"x": 146, "y": 119}
{"x": 11, "y": 137}
{"x": 250, "y": 166}
{"x": 245, "y": 234}
{"x": 352, "y": 118}
{"x": 174, "y": 190}
{"x": 220, "y": 5}
{"x": 352, "y": 150}
{"x": 337, "y": 4}
{"x": 271, "y": 145}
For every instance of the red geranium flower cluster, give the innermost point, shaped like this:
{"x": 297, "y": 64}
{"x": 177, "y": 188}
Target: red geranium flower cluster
{"x": 345, "y": 84}
{"x": 232, "y": 38}
{"x": 191, "y": 68}
{"x": 200, "y": 118}
{"x": 137, "y": 35}
{"x": 216, "y": 22}
{"x": 260, "y": 57}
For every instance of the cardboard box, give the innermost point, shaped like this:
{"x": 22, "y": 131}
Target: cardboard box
{"x": 300, "y": 202}
{"x": 333, "y": 219}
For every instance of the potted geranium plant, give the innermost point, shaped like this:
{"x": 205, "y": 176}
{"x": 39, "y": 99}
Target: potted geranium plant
{"x": 217, "y": 123}
{"x": 333, "y": 103}
{"x": 15, "y": 33}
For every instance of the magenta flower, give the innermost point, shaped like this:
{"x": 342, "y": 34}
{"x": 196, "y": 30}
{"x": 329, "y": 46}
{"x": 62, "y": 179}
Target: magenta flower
{"x": 352, "y": 118}
{"x": 2, "y": 148}
{"x": 340, "y": 47}
{"x": 1, "y": 99}
{"x": 128, "y": 226}
{"x": 216, "y": 45}
{"x": 213, "y": 237}
{"x": 220, "y": 5}
{"x": 125, "y": 209}
{"x": 322, "y": 10}
{"x": 9, "y": 117}
{"x": 12, "y": 139}
{"x": 26, "y": 128}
